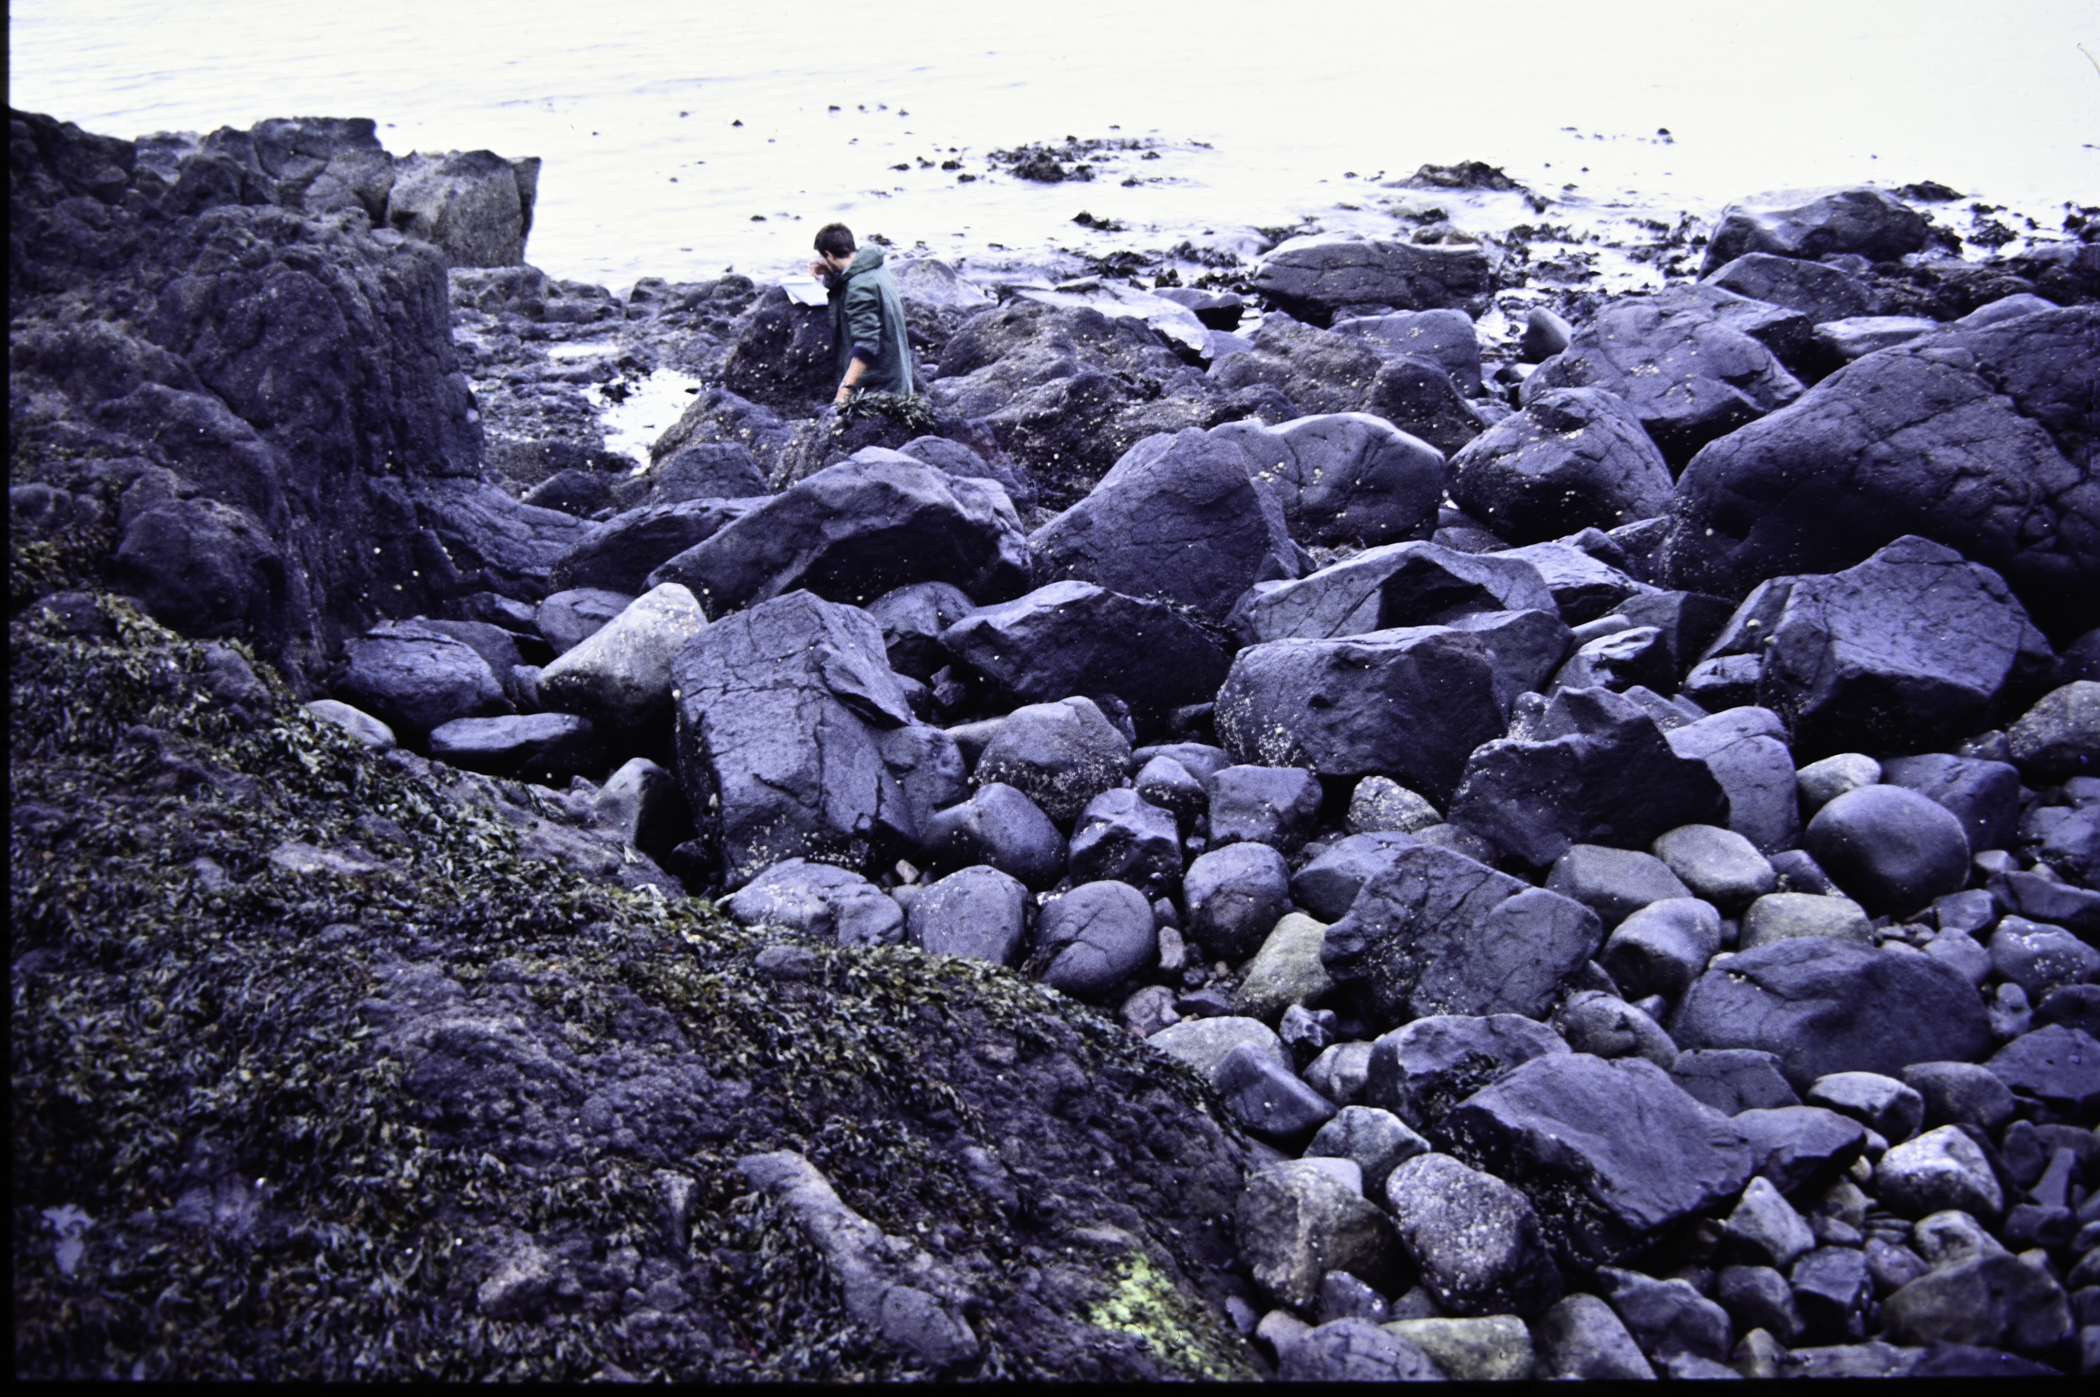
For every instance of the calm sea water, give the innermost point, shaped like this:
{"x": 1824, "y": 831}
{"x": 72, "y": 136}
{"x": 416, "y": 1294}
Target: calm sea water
{"x": 1263, "y": 113}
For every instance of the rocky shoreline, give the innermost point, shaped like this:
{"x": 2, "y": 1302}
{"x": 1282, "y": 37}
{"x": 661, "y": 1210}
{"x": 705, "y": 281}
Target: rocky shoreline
{"x": 1356, "y": 808}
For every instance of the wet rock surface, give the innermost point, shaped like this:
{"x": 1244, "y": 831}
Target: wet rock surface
{"x": 1314, "y": 819}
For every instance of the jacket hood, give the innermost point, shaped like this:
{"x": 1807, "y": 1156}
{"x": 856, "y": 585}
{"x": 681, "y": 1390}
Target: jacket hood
{"x": 865, "y": 260}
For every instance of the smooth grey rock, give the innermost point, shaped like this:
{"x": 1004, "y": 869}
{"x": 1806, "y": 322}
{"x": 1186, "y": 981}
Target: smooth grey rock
{"x": 1409, "y": 704}
{"x": 1267, "y": 1099}
{"x": 1595, "y": 769}
{"x": 977, "y": 911}
{"x": 1420, "y": 1071}
{"x": 1613, "y": 883}
{"x": 779, "y": 721}
{"x": 1801, "y": 1147}
{"x": 1811, "y": 224}
{"x": 857, "y": 530}
{"x": 1787, "y": 916}
{"x": 1829, "y": 1006}
{"x": 1001, "y": 827}
{"x": 1668, "y": 1318}
{"x": 1663, "y": 947}
{"x": 1892, "y": 849}
{"x": 1823, "y": 781}
{"x": 1960, "y": 1093}
{"x": 1059, "y": 755}
{"x": 1094, "y": 937}
{"x": 642, "y": 802}
{"x": 1732, "y": 1080}
{"x": 1983, "y": 795}
{"x": 1326, "y": 885}
{"x": 1882, "y": 1104}
{"x": 1939, "y": 1170}
{"x": 1287, "y": 970}
{"x": 548, "y": 748}
{"x": 1438, "y": 933}
{"x": 565, "y": 618}
{"x": 1235, "y": 896}
{"x": 1848, "y": 339}
{"x": 1492, "y": 1348}
{"x": 1073, "y": 637}
{"x": 1338, "y": 1072}
{"x": 1745, "y": 748}
{"x": 1604, "y": 1025}
{"x": 359, "y": 724}
{"x": 1203, "y": 1043}
{"x": 1123, "y": 836}
{"x": 818, "y": 899}
{"x": 1574, "y": 458}
{"x": 1316, "y": 275}
{"x": 1263, "y": 805}
{"x": 1609, "y": 1151}
{"x": 1717, "y": 864}
{"x": 1378, "y": 1141}
{"x": 1582, "y": 1338}
{"x": 1765, "y": 1229}
{"x": 1355, "y": 1350}
{"x": 620, "y": 675}
{"x": 415, "y": 679}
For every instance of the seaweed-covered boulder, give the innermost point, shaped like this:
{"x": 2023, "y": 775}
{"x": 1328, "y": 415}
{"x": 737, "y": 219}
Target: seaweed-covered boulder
{"x": 1979, "y": 438}
{"x": 856, "y": 530}
{"x": 1180, "y": 519}
{"x": 1685, "y": 374}
{"x": 1073, "y": 637}
{"x": 1408, "y": 703}
{"x": 1573, "y": 459}
{"x": 1823, "y": 1005}
{"x": 1594, "y": 769}
{"x": 1438, "y": 933}
{"x": 1344, "y": 477}
{"x": 1810, "y": 224}
{"x": 1608, "y": 1151}
{"x": 779, "y": 715}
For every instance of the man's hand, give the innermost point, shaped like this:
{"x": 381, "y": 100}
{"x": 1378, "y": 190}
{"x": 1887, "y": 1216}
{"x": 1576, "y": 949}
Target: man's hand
{"x": 819, "y": 270}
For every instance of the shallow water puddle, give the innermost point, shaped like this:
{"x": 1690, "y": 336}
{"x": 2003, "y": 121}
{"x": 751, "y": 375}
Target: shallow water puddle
{"x": 633, "y": 423}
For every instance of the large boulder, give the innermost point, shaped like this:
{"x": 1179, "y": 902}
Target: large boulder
{"x": 1318, "y": 371}
{"x": 1980, "y": 438}
{"x": 1890, "y": 849}
{"x": 1609, "y": 1151}
{"x": 1573, "y": 459}
{"x": 1315, "y": 276}
{"x": 859, "y": 529}
{"x": 1397, "y": 584}
{"x": 1912, "y": 649}
{"x": 620, "y": 675}
{"x": 1345, "y": 477}
{"x": 1073, "y": 637}
{"x": 1593, "y": 769}
{"x": 780, "y": 716}
{"x": 181, "y": 329}
{"x": 1685, "y": 374}
{"x": 1818, "y": 290}
{"x": 1060, "y": 755}
{"x": 1179, "y": 519}
{"x": 1816, "y": 223}
{"x": 617, "y": 555}
{"x": 1445, "y": 338}
{"x": 1408, "y": 703}
{"x": 1437, "y": 933}
{"x": 1823, "y": 1005}
{"x": 417, "y": 678}
{"x": 474, "y": 205}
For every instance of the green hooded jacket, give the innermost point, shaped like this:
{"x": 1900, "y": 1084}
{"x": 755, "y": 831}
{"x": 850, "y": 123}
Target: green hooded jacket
{"x": 867, "y": 315}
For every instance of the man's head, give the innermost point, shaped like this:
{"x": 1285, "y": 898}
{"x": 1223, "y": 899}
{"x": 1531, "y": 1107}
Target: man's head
{"x": 835, "y": 244}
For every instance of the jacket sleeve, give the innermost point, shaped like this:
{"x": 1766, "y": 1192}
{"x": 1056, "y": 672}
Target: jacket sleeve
{"x": 864, "y": 320}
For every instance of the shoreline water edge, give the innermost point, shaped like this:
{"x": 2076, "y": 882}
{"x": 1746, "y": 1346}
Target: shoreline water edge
{"x": 1479, "y": 786}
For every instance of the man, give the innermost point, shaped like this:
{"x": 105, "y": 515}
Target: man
{"x": 867, "y": 316}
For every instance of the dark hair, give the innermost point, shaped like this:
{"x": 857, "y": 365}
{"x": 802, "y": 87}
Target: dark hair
{"x": 835, "y": 240}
